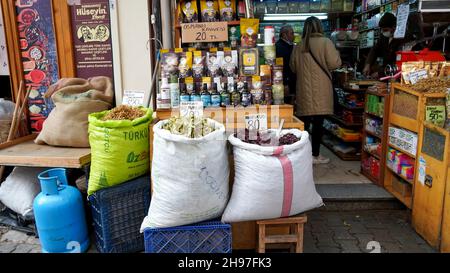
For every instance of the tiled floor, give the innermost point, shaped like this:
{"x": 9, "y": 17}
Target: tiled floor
{"x": 338, "y": 171}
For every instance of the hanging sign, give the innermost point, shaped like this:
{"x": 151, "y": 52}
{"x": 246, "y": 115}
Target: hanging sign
{"x": 256, "y": 122}
{"x": 204, "y": 32}
{"x": 91, "y": 28}
{"x": 402, "y": 21}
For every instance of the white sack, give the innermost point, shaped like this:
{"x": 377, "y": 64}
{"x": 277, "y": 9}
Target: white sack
{"x": 190, "y": 178}
{"x": 259, "y": 186}
{"x": 19, "y": 190}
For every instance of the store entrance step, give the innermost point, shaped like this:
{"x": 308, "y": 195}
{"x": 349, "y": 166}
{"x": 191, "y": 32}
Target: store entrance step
{"x": 357, "y": 197}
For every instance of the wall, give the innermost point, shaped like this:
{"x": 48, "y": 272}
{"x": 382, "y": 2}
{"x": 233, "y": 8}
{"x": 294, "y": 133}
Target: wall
{"x": 131, "y": 47}
{"x": 4, "y": 70}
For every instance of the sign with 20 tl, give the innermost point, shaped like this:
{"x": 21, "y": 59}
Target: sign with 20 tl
{"x": 204, "y": 32}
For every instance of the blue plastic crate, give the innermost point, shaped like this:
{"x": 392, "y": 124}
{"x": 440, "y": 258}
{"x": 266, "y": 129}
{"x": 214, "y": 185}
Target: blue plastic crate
{"x": 118, "y": 213}
{"x": 207, "y": 237}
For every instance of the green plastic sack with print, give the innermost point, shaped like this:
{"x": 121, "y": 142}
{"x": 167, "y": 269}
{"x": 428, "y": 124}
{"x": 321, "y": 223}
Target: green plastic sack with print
{"x": 120, "y": 150}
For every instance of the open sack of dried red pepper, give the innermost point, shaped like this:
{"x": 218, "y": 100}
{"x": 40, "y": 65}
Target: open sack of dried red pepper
{"x": 273, "y": 176}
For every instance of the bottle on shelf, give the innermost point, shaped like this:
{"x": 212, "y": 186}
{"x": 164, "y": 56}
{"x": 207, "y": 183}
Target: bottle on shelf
{"x": 225, "y": 99}
{"x": 206, "y": 96}
{"x": 215, "y": 96}
{"x": 163, "y": 102}
{"x": 174, "y": 93}
{"x": 236, "y": 96}
{"x": 195, "y": 96}
{"x": 246, "y": 99}
{"x": 184, "y": 96}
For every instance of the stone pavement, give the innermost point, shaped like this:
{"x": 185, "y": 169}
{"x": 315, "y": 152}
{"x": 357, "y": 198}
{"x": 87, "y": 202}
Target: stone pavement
{"x": 326, "y": 232}
{"x": 386, "y": 231}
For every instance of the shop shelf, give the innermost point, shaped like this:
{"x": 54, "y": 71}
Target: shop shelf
{"x": 370, "y": 176}
{"x": 342, "y": 156}
{"x": 343, "y": 122}
{"x": 230, "y": 23}
{"x": 372, "y": 154}
{"x": 340, "y": 138}
{"x": 375, "y": 8}
{"x": 401, "y": 150}
{"x": 208, "y": 237}
{"x": 374, "y": 115}
{"x": 406, "y": 200}
{"x": 350, "y": 107}
{"x": 117, "y": 214}
{"x": 372, "y": 133}
{"x": 401, "y": 176}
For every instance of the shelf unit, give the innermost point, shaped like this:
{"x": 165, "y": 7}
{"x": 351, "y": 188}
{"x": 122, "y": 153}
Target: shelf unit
{"x": 407, "y": 109}
{"x": 365, "y": 154}
{"x": 345, "y": 84}
{"x": 375, "y": 8}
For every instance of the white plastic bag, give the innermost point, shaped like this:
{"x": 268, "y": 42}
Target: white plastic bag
{"x": 19, "y": 190}
{"x": 6, "y": 116}
{"x": 272, "y": 182}
{"x": 190, "y": 178}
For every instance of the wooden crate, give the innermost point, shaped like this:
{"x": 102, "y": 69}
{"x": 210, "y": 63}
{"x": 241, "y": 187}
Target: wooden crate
{"x": 408, "y": 107}
{"x": 429, "y": 198}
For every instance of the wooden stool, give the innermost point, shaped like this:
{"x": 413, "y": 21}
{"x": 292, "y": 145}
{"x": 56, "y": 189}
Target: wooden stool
{"x": 295, "y": 236}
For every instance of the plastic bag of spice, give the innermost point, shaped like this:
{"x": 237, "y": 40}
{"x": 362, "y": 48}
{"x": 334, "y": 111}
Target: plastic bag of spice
{"x": 227, "y": 10}
{"x": 120, "y": 146}
{"x": 188, "y": 11}
{"x": 272, "y": 182}
{"x": 199, "y": 188}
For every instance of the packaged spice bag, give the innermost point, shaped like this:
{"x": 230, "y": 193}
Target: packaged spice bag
{"x": 277, "y": 74}
{"x": 230, "y": 63}
{"x": 227, "y": 10}
{"x": 270, "y": 54}
{"x": 169, "y": 63}
{"x": 445, "y": 70}
{"x": 199, "y": 64}
{"x": 249, "y": 62}
{"x": 257, "y": 90}
{"x": 234, "y": 36}
{"x": 185, "y": 64}
{"x": 265, "y": 70}
{"x": 249, "y": 32}
{"x": 214, "y": 62}
{"x": 188, "y": 11}
{"x": 210, "y": 10}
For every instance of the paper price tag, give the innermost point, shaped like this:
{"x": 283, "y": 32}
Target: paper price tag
{"x": 134, "y": 98}
{"x": 436, "y": 115}
{"x": 189, "y": 108}
{"x": 256, "y": 122}
{"x": 422, "y": 170}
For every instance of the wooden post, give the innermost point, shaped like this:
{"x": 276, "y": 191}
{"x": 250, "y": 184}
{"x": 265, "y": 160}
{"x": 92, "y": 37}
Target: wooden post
{"x": 262, "y": 239}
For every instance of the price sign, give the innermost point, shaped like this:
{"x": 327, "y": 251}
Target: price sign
{"x": 204, "y": 32}
{"x": 189, "y": 108}
{"x": 133, "y": 98}
{"x": 256, "y": 122}
{"x": 418, "y": 75}
{"x": 436, "y": 115}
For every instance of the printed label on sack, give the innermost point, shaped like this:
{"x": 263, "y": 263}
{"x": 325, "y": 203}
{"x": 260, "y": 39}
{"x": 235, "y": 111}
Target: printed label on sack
{"x": 133, "y": 98}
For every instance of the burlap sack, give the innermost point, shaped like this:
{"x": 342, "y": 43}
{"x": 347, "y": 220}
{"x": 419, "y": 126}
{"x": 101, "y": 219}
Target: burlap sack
{"x": 75, "y": 99}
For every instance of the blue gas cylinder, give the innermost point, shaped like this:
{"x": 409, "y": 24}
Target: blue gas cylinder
{"x": 60, "y": 216}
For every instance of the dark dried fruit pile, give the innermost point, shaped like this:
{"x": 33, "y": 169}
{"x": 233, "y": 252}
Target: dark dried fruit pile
{"x": 265, "y": 138}
{"x": 288, "y": 139}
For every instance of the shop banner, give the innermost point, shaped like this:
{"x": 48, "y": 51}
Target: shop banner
{"x": 39, "y": 56}
{"x": 91, "y": 28}
{"x": 4, "y": 70}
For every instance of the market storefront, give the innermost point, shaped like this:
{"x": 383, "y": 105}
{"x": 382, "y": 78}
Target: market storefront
{"x": 220, "y": 136}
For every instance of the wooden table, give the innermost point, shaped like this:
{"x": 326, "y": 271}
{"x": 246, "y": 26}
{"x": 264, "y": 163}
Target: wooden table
{"x": 24, "y": 152}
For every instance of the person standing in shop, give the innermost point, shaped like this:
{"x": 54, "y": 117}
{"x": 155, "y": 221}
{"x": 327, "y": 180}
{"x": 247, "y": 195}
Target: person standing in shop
{"x": 312, "y": 60}
{"x": 386, "y": 48}
{"x": 284, "y": 48}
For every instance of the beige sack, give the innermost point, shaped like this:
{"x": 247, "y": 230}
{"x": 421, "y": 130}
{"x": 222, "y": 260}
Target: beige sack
{"x": 75, "y": 100}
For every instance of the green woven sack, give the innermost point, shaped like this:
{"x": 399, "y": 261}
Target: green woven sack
{"x": 120, "y": 150}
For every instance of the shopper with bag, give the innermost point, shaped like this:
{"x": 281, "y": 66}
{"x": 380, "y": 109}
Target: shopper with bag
{"x": 312, "y": 61}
